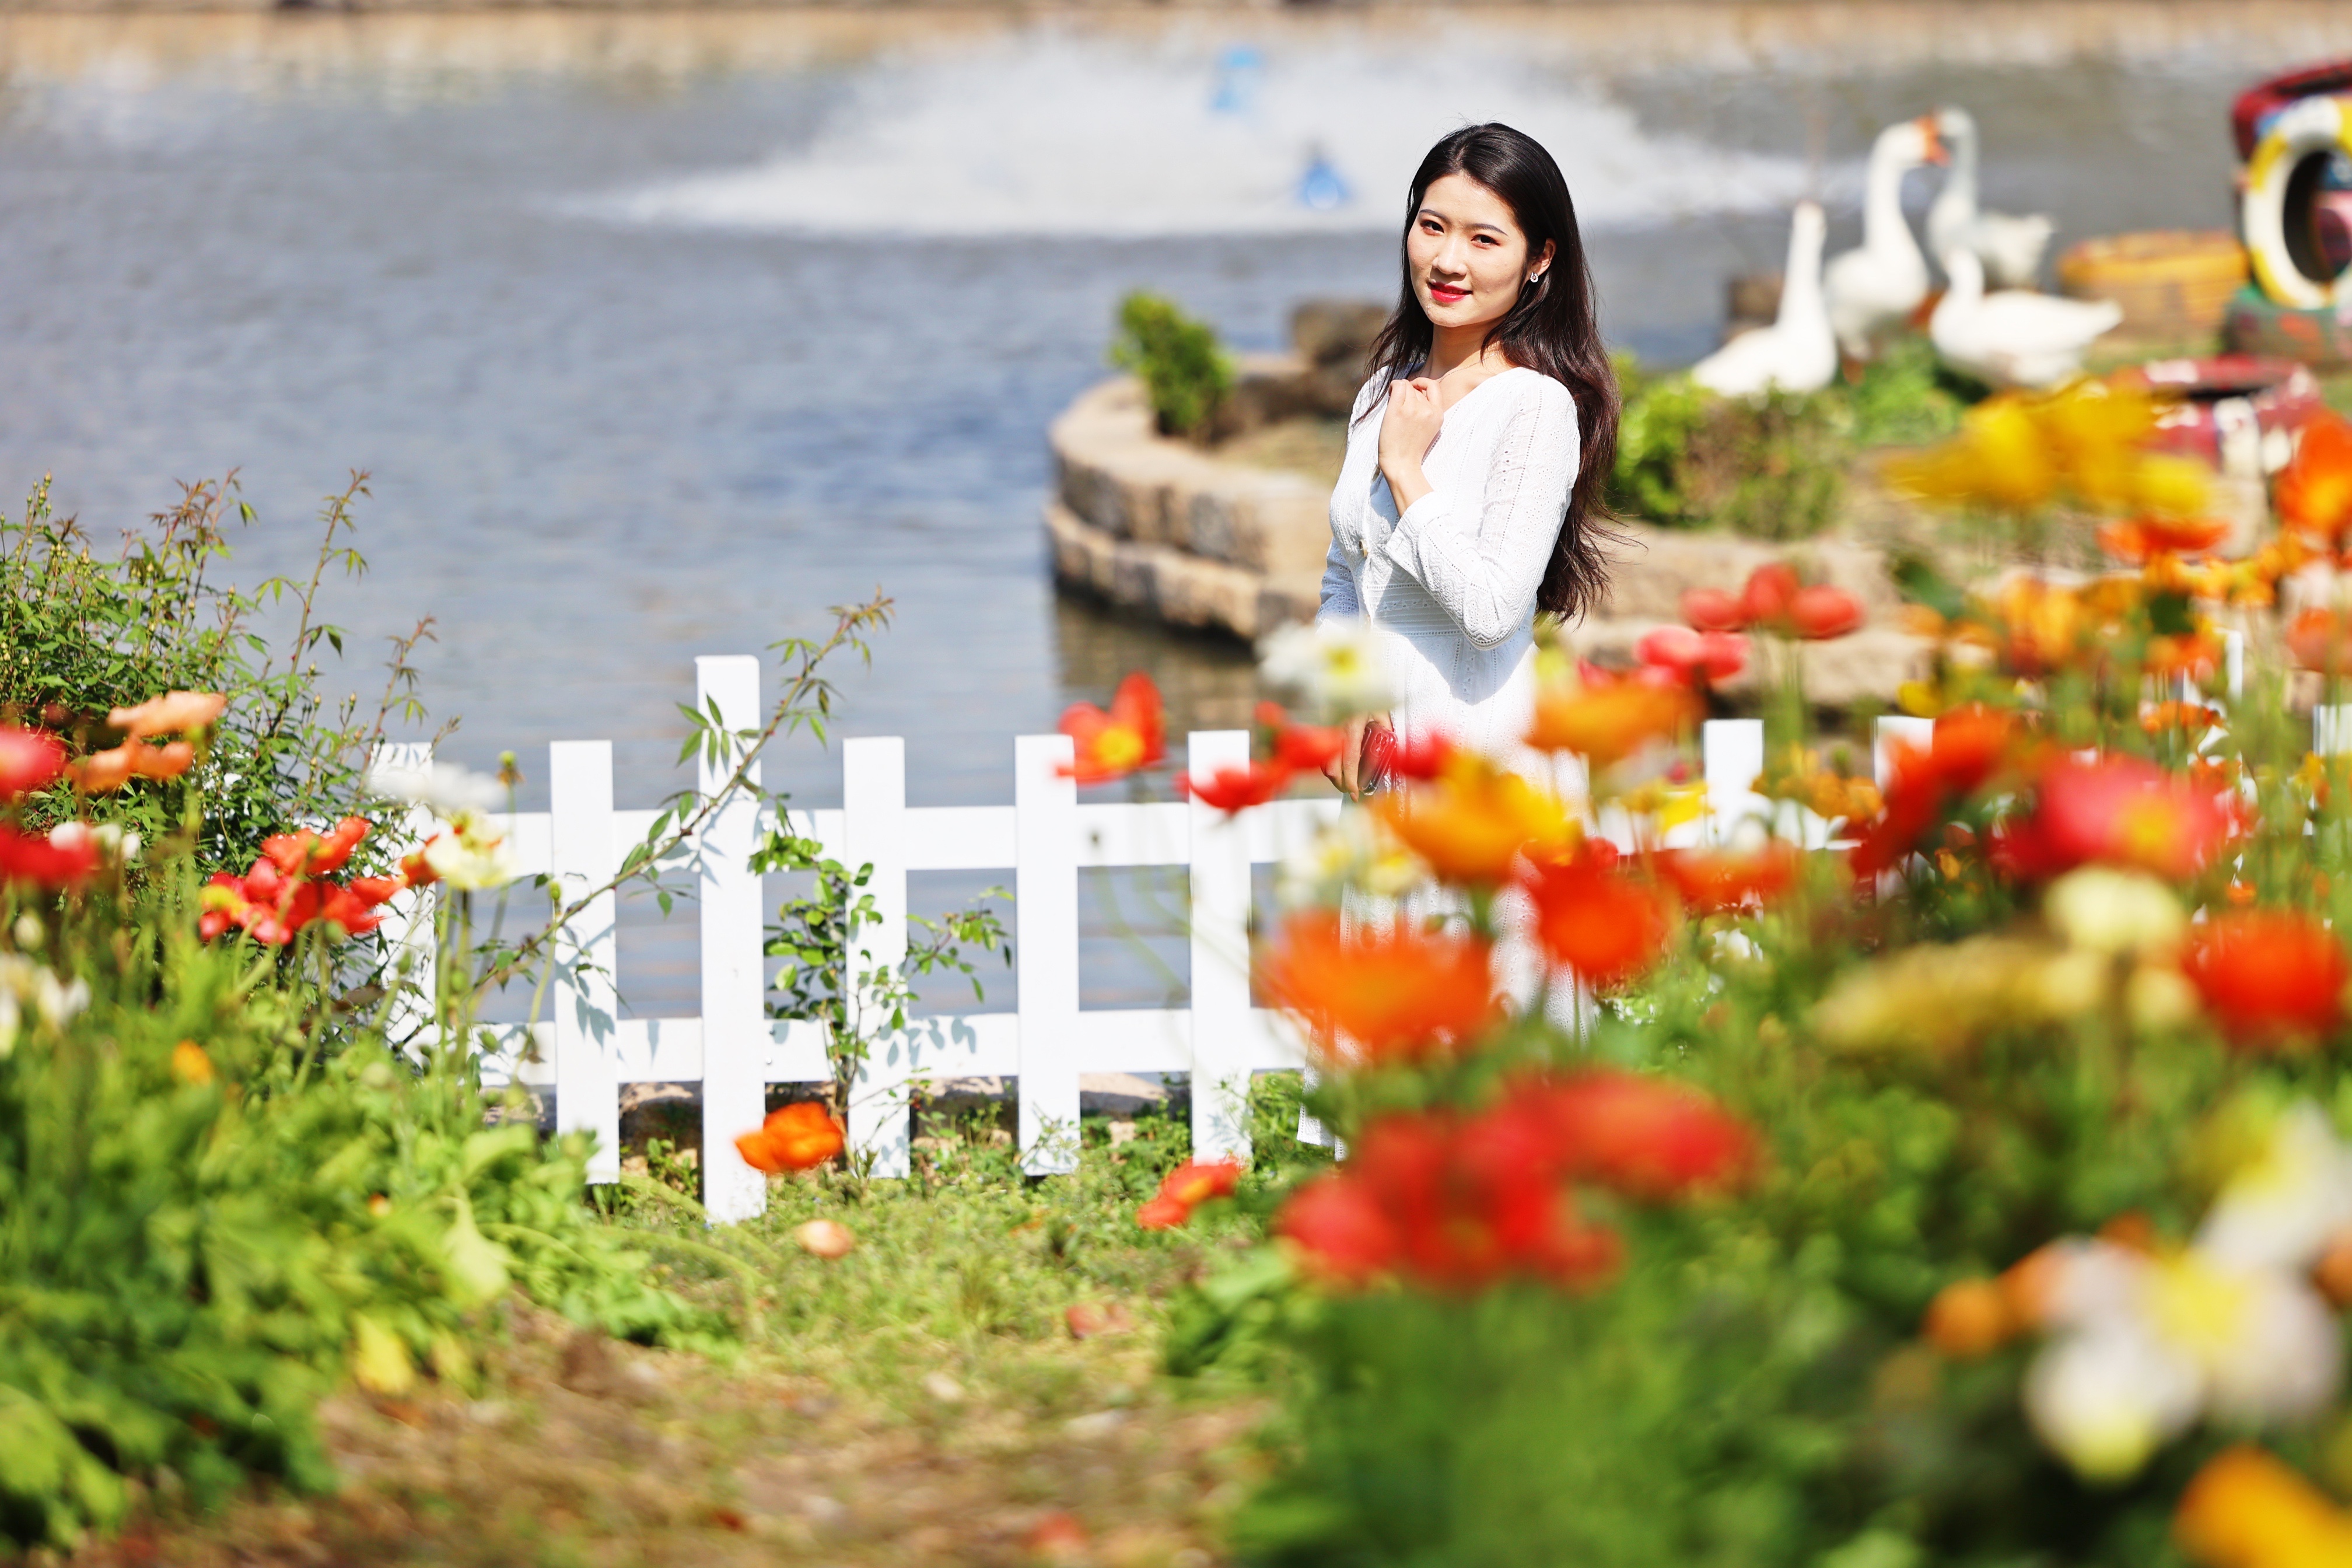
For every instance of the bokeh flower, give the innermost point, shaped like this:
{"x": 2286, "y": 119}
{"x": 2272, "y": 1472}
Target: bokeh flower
{"x": 1696, "y": 659}
{"x": 2314, "y": 492}
{"x": 2271, "y": 978}
{"x": 30, "y": 761}
{"x": 2247, "y": 1509}
{"x": 1604, "y": 719}
{"x": 1236, "y": 787}
{"x": 173, "y": 713}
{"x": 1602, "y": 924}
{"x": 1132, "y": 735}
{"x": 796, "y": 1137}
{"x": 1375, "y": 996}
{"x": 29, "y": 860}
{"x": 1336, "y": 668}
{"x": 1711, "y": 880}
{"x": 102, "y": 772}
{"x": 1476, "y": 820}
{"x": 1186, "y": 1188}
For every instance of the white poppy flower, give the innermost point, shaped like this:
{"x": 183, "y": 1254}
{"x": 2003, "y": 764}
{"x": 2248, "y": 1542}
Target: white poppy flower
{"x": 1336, "y": 668}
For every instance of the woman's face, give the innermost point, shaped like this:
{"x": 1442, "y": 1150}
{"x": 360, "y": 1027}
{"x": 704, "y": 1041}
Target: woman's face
{"x": 1466, "y": 253}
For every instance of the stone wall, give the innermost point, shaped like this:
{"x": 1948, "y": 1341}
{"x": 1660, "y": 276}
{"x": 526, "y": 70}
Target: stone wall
{"x": 1160, "y": 525}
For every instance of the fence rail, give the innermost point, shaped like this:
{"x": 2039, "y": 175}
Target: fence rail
{"x": 586, "y": 1052}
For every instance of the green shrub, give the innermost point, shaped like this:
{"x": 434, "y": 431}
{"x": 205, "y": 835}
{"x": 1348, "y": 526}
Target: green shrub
{"x": 1185, "y": 373}
{"x": 84, "y": 630}
{"x": 1687, "y": 459}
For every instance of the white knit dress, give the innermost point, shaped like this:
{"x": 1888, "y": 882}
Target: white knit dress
{"x": 1452, "y": 581}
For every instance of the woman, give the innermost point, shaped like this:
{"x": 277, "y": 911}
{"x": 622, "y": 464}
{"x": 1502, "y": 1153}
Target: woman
{"x": 1470, "y": 498}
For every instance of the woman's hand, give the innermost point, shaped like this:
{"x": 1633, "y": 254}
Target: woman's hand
{"x": 1408, "y": 430}
{"x": 1346, "y": 771}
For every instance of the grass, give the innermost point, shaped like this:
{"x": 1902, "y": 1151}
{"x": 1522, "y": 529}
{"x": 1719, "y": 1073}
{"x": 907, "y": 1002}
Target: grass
{"x": 925, "y": 1399}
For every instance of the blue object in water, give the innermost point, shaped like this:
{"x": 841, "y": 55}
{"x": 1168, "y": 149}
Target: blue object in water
{"x": 1239, "y": 72}
{"x": 1320, "y": 188}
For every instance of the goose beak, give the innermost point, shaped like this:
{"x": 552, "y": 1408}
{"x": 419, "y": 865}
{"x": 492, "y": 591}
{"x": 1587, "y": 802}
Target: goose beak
{"x": 1938, "y": 151}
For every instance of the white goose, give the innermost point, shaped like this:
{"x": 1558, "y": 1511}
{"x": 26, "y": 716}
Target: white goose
{"x": 1874, "y": 290}
{"x": 1797, "y": 352}
{"x": 2010, "y": 248}
{"x": 2012, "y": 338}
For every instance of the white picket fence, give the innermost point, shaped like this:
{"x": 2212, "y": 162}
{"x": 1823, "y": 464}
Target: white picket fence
{"x": 586, "y": 1052}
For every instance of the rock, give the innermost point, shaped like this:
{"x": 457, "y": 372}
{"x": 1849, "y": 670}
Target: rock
{"x": 1337, "y": 331}
{"x": 1094, "y": 1428}
{"x": 825, "y": 1238}
{"x": 943, "y": 1388}
{"x": 1118, "y": 1093}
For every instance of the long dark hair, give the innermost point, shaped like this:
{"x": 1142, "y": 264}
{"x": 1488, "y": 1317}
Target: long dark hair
{"x": 1552, "y": 328}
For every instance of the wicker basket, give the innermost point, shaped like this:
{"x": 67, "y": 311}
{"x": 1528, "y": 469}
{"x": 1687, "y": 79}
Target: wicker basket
{"x": 2172, "y": 283}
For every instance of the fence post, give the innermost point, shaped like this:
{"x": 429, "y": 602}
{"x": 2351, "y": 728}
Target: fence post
{"x": 1046, "y": 949}
{"x": 874, "y": 833}
{"x": 408, "y": 930}
{"x": 586, "y": 995}
{"x": 735, "y": 1034}
{"x": 1220, "y": 973}
{"x": 1892, "y": 730}
{"x": 1731, "y": 751}
{"x": 2331, "y": 729}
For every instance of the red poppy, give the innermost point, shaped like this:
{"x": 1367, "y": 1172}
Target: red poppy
{"x": 1421, "y": 759}
{"x": 1341, "y": 1226}
{"x": 1644, "y": 1137}
{"x": 1132, "y": 735}
{"x": 1598, "y": 921}
{"x": 1969, "y": 748}
{"x": 1161, "y": 1213}
{"x": 1302, "y": 748}
{"x": 2116, "y": 811}
{"x": 305, "y": 852}
{"x": 2271, "y": 978}
{"x": 1771, "y": 589}
{"x": 1377, "y": 996}
{"x": 1713, "y": 610}
{"x": 1715, "y": 879}
{"x": 357, "y": 906}
{"x": 1236, "y": 788}
{"x": 30, "y": 760}
{"x": 46, "y": 862}
{"x": 1695, "y": 658}
{"x": 796, "y": 1137}
{"x": 1821, "y": 611}
{"x": 1451, "y": 1202}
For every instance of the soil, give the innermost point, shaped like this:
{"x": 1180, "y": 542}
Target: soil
{"x": 583, "y": 1450}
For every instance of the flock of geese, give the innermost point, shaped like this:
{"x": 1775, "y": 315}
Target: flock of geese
{"x": 1989, "y": 321}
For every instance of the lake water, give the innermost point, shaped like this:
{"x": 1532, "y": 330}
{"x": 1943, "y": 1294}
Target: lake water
{"x": 659, "y": 332}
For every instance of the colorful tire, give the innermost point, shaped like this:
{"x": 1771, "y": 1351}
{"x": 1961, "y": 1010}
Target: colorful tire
{"x": 2322, "y": 338}
{"x": 2283, "y": 174}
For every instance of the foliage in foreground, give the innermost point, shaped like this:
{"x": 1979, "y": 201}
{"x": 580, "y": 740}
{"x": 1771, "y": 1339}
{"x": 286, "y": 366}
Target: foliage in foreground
{"x": 1978, "y": 1194}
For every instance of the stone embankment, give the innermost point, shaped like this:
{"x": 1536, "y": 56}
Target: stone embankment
{"x": 1169, "y": 530}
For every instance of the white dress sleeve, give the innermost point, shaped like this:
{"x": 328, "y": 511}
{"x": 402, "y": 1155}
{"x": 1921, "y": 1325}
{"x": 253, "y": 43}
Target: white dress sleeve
{"x": 1483, "y": 558}
{"x": 1339, "y": 600}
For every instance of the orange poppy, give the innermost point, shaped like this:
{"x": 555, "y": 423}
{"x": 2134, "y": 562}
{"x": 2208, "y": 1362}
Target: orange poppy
{"x": 796, "y": 1137}
{"x": 1476, "y": 820}
{"x": 1186, "y": 1188}
{"x": 2246, "y": 1508}
{"x": 1605, "y": 720}
{"x": 1602, "y": 924}
{"x": 1374, "y": 998}
{"x": 2271, "y": 978}
{"x": 173, "y": 713}
{"x": 100, "y": 773}
{"x": 1713, "y": 879}
{"x": 307, "y": 853}
{"x": 1132, "y": 735}
{"x": 2313, "y": 494}
{"x": 2140, "y": 539}
{"x": 2322, "y": 640}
